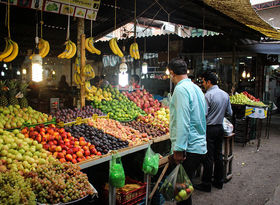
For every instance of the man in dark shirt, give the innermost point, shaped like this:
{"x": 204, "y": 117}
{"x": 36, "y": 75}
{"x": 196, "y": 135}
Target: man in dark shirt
{"x": 218, "y": 104}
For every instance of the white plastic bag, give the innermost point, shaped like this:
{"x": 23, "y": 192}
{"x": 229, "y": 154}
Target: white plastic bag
{"x": 228, "y": 127}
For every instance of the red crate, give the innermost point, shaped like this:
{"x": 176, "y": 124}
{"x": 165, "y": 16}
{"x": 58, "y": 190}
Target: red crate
{"x": 130, "y": 197}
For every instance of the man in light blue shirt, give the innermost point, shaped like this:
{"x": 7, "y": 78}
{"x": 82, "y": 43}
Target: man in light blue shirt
{"x": 187, "y": 120}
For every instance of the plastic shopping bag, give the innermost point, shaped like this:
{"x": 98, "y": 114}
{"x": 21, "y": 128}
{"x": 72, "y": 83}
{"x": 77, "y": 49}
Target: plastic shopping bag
{"x": 151, "y": 162}
{"x": 116, "y": 175}
{"x": 177, "y": 186}
{"x": 228, "y": 127}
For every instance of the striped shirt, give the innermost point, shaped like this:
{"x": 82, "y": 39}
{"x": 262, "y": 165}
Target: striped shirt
{"x": 218, "y": 104}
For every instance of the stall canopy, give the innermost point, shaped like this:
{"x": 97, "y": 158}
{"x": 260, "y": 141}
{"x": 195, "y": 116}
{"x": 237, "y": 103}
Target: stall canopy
{"x": 242, "y": 11}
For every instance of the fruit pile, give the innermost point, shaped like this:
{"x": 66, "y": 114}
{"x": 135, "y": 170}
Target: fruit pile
{"x": 115, "y": 128}
{"x": 15, "y": 190}
{"x": 159, "y": 119}
{"x": 58, "y": 182}
{"x": 183, "y": 191}
{"x": 251, "y": 97}
{"x": 69, "y": 115}
{"x": 60, "y": 143}
{"x": 97, "y": 95}
{"x": 242, "y": 99}
{"x": 14, "y": 116}
{"x": 145, "y": 128}
{"x": 103, "y": 142}
{"x": 144, "y": 100}
{"x": 21, "y": 154}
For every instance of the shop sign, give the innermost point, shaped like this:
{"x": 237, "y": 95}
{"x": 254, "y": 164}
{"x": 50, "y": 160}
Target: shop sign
{"x": 79, "y": 8}
{"x": 255, "y": 112}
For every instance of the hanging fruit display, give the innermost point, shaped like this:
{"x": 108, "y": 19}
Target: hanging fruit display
{"x": 70, "y": 50}
{"x": 134, "y": 51}
{"x": 44, "y": 48}
{"x": 89, "y": 43}
{"x": 115, "y": 48}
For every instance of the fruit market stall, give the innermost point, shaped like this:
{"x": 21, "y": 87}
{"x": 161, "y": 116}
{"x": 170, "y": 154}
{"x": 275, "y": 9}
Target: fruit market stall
{"x": 248, "y": 112}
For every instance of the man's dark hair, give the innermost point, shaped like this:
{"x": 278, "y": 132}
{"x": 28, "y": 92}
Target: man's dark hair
{"x": 102, "y": 77}
{"x": 136, "y": 78}
{"x": 210, "y": 76}
{"x": 178, "y": 66}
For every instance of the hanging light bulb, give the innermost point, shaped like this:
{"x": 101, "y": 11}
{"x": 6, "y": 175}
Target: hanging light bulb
{"x": 188, "y": 71}
{"x": 2, "y": 73}
{"x": 167, "y": 72}
{"x": 144, "y": 68}
{"x": 24, "y": 71}
{"x": 18, "y": 72}
{"x": 53, "y": 72}
{"x": 244, "y": 74}
{"x": 37, "y": 69}
{"x": 248, "y": 75}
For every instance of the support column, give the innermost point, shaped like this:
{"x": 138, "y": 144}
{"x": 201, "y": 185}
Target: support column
{"x": 82, "y": 55}
{"x": 233, "y": 77}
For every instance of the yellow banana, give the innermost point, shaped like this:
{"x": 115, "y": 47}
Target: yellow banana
{"x": 131, "y": 51}
{"x": 77, "y": 79}
{"x": 134, "y": 51}
{"x": 47, "y": 49}
{"x": 8, "y": 50}
{"x": 13, "y": 54}
{"x": 87, "y": 46}
{"x": 42, "y": 47}
{"x": 137, "y": 51}
{"x": 77, "y": 65}
{"x": 111, "y": 44}
{"x": 73, "y": 51}
{"x": 69, "y": 49}
{"x": 88, "y": 87}
{"x": 119, "y": 52}
{"x": 91, "y": 45}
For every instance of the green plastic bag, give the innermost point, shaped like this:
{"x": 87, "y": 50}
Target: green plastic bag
{"x": 116, "y": 175}
{"x": 151, "y": 162}
{"x": 177, "y": 186}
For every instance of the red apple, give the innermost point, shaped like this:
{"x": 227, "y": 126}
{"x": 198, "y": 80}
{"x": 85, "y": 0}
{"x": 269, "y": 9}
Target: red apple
{"x": 62, "y": 160}
{"x": 87, "y": 152}
{"x": 52, "y": 148}
{"x": 69, "y": 151}
{"x": 74, "y": 156}
{"x": 79, "y": 154}
{"x": 74, "y": 161}
{"x": 60, "y": 155}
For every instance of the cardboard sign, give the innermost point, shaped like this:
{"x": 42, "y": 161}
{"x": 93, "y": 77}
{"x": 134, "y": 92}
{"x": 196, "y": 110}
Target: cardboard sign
{"x": 79, "y": 8}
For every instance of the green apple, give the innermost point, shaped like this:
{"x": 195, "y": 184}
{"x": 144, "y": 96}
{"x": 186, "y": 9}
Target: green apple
{"x": 31, "y": 160}
{"x": 177, "y": 198}
{"x": 183, "y": 194}
{"x": 22, "y": 151}
{"x": 44, "y": 155}
{"x": 32, "y": 149}
{"x": 19, "y": 156}
{"x": 28, "y": 153}
{"x": 37, "y": 154}
{"x": 26, "y": 164}
{"x": 34, "y": 142}
{"x": 39, "y": 147}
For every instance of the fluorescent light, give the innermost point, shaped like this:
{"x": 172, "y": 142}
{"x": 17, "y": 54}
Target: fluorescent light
{"x": 242, "y": 63}
{"x": 37, "y": 69}
{"x": 2, "y": 73}
{"x": 144, "y": 68}
{"x": 5, "y": 65}
{"x": 275, "y": 67}
{"x": 18, "y": 72}
{"x": 244, "y": 74}
{"x": 249, "y": 57}
{"x": 123, "y": 79}
{"x": 53, "y": 72}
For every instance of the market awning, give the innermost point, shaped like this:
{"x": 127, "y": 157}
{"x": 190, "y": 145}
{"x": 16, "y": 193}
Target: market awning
{"x": 243, "y": 12}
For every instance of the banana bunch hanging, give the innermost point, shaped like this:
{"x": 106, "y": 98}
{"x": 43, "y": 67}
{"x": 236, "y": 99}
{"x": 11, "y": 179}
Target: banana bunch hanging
{"x": 44, "y": 48}
{"x": 88, "y": 71}
{"x": 77, "y": 78}
{"x": 70, "y": 50}
{"x": 90, "y": 88}
{"x": 134, "y": 51}
{"x": 115, "y": 48}
{"x": 90, "y": 46}
{"x": 77, "y": 65}
{"x": 10, "y": 52}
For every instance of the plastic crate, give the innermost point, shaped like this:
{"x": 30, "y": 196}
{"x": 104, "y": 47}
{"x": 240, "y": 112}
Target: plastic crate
{"x": 131, "y": 197}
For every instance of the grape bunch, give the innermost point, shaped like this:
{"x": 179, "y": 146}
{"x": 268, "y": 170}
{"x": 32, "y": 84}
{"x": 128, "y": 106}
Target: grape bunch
{"x": 14, "y": 190}
{"x": 57, "y": 182}
{"x": 103, "y": 142}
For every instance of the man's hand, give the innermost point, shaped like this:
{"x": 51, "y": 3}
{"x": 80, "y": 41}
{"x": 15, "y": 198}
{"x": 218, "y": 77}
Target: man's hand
{"x": 177, "y": 157}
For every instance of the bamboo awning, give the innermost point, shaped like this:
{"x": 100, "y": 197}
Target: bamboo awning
{"x": 243, "y": 12}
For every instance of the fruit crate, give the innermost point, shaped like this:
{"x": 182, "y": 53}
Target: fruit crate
{"x": 131, "y": 197}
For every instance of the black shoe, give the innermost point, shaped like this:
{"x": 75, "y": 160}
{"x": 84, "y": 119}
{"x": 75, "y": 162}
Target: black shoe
{"x": 218, "y": 185}
{"x": 202, "y": 187}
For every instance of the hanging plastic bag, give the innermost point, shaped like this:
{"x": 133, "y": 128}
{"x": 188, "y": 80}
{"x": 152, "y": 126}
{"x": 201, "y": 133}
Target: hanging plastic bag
{"x": 228, "y": 127}
{"x": 116, "y": 176}
{"x": 151, "y": 162}
{"x": 177, "y": 186}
